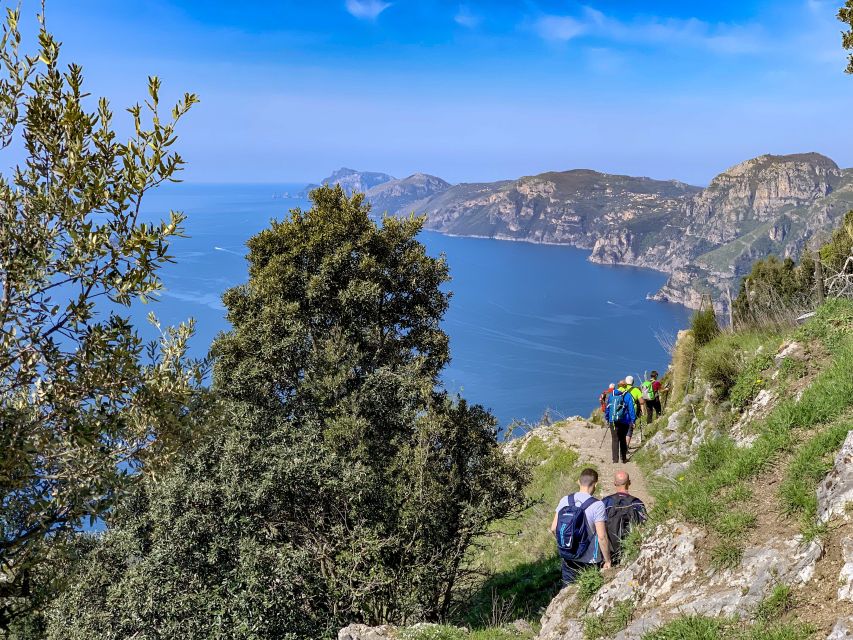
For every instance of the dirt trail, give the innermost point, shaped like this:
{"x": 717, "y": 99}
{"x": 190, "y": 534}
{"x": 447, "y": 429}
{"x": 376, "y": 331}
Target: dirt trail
{"x": 592, "y": 442}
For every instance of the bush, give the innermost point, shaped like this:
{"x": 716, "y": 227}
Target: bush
{"x": 774, "y": 292}
{"x": 339, "y": 483}
{"x": 720, "y": 363}
{"x": 704, "y": 325}
{"x": 589, "y": 582}
{"x": 750, "y": 380}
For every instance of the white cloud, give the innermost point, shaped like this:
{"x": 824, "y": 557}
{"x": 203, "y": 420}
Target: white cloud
{"x": 691, "y": 32}
{"x": 366, "y": 9}
{"x": 559, "y": 28}
{"x": 466, "y": 18}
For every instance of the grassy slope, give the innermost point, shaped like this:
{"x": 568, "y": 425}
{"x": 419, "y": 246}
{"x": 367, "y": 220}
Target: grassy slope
{"x": 520, "y": 559}
{"x": 796, "y": 442}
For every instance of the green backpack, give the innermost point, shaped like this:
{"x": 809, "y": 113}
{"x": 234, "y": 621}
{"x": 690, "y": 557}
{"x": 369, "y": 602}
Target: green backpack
{"x": 648, "y": 390}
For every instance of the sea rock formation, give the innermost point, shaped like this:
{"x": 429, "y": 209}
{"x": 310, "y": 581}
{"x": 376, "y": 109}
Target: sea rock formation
{"x": 398, "y": 195}
{"x": 705, "y": 239}
{"x": 352, "y": 181}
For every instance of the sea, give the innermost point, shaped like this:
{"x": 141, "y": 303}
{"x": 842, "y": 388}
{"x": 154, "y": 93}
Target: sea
{"x": 535, "y": 330}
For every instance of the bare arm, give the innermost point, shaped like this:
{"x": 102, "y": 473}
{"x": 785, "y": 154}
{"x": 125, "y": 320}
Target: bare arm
{"x": 601, "y": 531}
{"x": 554, "y": 524}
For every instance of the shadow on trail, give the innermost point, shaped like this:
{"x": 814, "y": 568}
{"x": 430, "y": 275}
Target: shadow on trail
{"x": 522, "y": 592}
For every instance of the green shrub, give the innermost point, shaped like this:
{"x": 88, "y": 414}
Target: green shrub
{"x": 704, "y": 325}
{"x": 774, "y": 292}
{"x": 589, "y": 581}
{"x": 720, "y": 364}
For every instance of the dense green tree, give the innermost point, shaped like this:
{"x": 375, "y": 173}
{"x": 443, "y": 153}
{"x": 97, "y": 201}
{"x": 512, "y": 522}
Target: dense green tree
{"x": 774, "y": 289}
{"x": 341, "y": 484}
{"x": 845, "y": 14}
{"x": 84, "y": 403}
{"x": 835, "y": 252}
{"x": 703, "y": 324}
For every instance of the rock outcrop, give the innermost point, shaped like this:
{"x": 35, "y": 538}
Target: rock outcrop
{"x": 835, "y": 493}
{"x": 842, "y": 630}
{"x": 352, "y": 181}
{"x": 666, "y": 582}
{"x": 398, "y": 195}
{"x": 706, "y": 239}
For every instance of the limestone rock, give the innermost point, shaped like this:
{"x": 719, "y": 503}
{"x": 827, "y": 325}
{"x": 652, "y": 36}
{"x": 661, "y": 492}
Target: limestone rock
{"x": 523, "y": 627}
{"x": 558, "y": 621}
{"x": 842, "y": 629}
{"x": 667, "y": 556}
{"x": 836, "y": 490}
{"x": 845, "y": 576}
{"x": 757, "y": 409}
{"x": 364, "y": 632}
{"x": 640, "y": 627}
{"x": 725, "y": 593}
{"x": 793, "y": 350}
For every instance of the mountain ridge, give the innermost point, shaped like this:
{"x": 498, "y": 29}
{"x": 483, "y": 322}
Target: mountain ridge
{"x": 704, "y": 238}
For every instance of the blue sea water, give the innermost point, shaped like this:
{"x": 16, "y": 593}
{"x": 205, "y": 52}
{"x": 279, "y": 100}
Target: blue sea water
{"x": 532, "y": 327}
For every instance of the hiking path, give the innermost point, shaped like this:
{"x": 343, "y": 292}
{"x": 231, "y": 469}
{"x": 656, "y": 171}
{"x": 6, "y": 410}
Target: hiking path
{"x": 592, "y": 442}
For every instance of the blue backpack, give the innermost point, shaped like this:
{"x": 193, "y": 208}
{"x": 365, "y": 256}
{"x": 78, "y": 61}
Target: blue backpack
{"x": 617, "y": 410}
{"x": 572, "y": 533}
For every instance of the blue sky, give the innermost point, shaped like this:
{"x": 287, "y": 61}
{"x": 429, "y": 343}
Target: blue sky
{"x": 474, "y": 90}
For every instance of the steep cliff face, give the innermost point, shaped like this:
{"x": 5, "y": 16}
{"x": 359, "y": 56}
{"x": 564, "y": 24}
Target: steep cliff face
{"x": 768, "y": 205}
{"x": 352, "y": 181}
{"x": 705, "y": 238}
{"x": 398, "y": 195}
{"x": 571, "y": 207}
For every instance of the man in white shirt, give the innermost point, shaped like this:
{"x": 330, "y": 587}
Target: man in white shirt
{"x": 597, "y": 553}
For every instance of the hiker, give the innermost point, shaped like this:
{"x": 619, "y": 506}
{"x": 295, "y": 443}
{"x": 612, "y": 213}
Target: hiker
{"x": 651, "y": 396}
{"x": 579, "y": 525}
{"x": 637, "y": 397}
{"x": 602, "y": 399}
{"x": 623, "y": 512}
{"x": 620, "y": 416}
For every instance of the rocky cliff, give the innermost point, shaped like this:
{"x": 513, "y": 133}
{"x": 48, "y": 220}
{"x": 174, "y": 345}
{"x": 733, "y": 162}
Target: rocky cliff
{"x": 751, "y": 521}
{"x": 352, "y": 181}
{"x": 399, "y": 195}
{"x": 706, "y": 239}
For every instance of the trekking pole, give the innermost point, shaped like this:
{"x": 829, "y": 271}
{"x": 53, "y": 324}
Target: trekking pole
{"x": 607, "y": 428}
